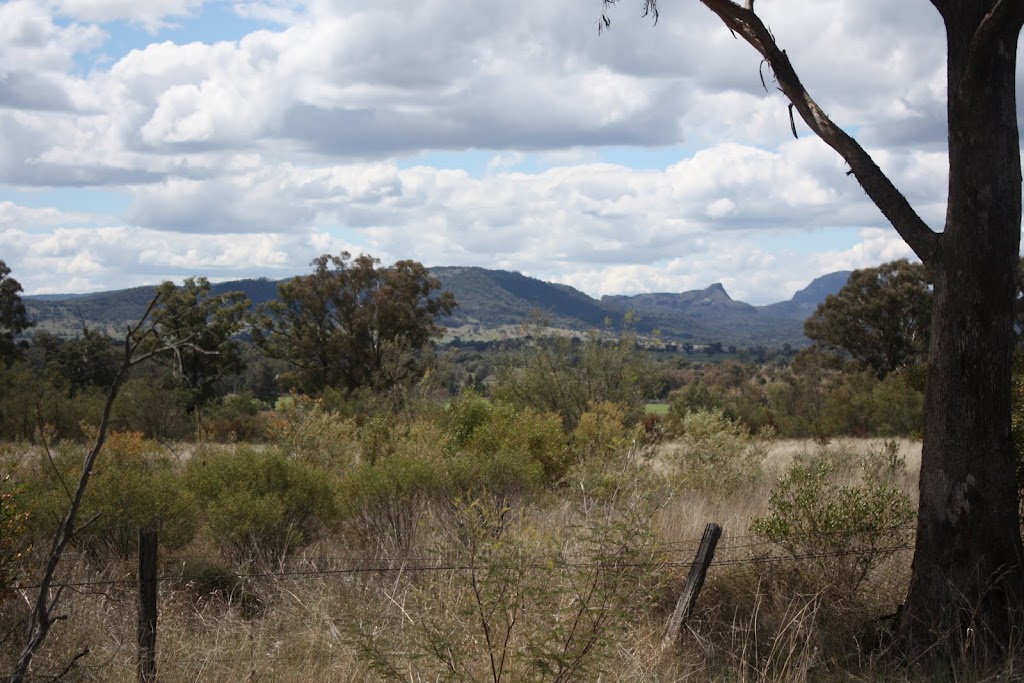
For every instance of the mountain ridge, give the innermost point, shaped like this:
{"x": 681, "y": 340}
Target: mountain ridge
{"x": 491, "y": 300}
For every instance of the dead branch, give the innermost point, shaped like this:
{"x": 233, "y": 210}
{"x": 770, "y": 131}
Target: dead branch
{"x": 42, "y": 617}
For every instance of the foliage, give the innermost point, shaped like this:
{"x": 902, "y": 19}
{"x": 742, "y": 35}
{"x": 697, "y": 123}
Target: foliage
{"x": 384, "y": 502}
{"x": 351, "y": 324}
{"x": 521, "y": 604}
{"x": 132, "y": 486}
{"x": 238, "y": 417}
{"x": 716, "y": 451}
{"x": 307, "y": 432}
{"x": 89, "y": 360}
{"x": 564, "y": 376}
{"x": 13, "y": 317}
{"x": 841, "y": 531}
{"x": 155, "y": 406}
{"x": 483, "y": 429}
{"x": 881, "y": 316}
{"x": 30, "y": 405}
{"x": 201, "y": 327}
{"x": 601, "y": 436}
{"x": 13, "y": 538}
{"x": 258, "y": 505}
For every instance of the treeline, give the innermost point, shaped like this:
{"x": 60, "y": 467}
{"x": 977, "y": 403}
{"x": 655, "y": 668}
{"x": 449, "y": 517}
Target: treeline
{"x": 363, "y": 340}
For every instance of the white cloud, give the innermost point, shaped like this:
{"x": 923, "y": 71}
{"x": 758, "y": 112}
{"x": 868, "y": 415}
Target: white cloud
{"x": 263, "y": 151}
{"x": 152, "y": 14}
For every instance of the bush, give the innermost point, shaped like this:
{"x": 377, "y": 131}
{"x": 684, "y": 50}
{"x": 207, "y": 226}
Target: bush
{"x": 385, "y": 502}
{"x": 238, "y": 417}
{"x": 716, "y": 451}
{"x": 261, "y": 505}
{"x": 563, "y": 376}
{"x": 842, "y": 532}
{"x": 306, "y": 431}
{"x": 484, "y": 429}
{"x": 154, "y": 407}
{"x": 601, "y": 435}
{"x": 132, "y": 486}
{"x": 13, "y": 538}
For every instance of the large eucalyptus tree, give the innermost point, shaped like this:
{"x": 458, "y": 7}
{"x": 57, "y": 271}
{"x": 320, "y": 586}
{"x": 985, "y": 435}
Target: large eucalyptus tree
{"x": 967, "y": 586}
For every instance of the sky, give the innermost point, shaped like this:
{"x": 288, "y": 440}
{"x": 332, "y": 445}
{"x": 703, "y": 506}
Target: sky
{"x": 147, "y": 141}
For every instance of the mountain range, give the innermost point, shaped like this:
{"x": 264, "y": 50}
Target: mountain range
{"x": 497, "y": 302}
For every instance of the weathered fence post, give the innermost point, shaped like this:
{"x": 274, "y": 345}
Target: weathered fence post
{"x": 694, "y": 582}
{"x": 147, "y": 606}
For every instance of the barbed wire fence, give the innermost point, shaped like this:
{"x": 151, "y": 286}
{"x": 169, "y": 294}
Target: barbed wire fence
{"x": 673, "y": 558}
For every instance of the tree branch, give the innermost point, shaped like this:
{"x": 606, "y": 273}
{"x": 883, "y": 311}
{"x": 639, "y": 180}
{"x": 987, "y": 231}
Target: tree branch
{"x": 42, "y": 617}
{"x": 942, "y": 6}
{"x": 914, "y": 231}
{"x": 1003, "y": 20}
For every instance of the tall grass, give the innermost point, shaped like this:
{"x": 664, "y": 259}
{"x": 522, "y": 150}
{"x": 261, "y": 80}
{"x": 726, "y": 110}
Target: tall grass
{"x": 572, "y": 582}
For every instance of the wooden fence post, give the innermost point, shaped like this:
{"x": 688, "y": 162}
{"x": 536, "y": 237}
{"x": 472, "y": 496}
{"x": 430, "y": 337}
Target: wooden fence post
{"x": 694, "y": 582}
{"x": 147, "y": 606}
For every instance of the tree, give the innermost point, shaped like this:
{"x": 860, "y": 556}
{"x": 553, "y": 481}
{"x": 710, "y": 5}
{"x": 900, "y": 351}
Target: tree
{"x": 90, "y": 360}
{"x": 13, "y": 317}
{"x": 881, "y": 317}
{"x": 202, "y": 328}
{"x": 967, "y": 584}
{"x": 349, "y": 321}
{"x": 568, "y": 376}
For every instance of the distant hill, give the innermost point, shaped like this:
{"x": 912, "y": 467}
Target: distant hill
{"x": 804, "y": 302}
{"x": 499, "y": 299}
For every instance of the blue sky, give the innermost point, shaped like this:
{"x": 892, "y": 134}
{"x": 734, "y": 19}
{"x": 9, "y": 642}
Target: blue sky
{"x": 159, "y": 140}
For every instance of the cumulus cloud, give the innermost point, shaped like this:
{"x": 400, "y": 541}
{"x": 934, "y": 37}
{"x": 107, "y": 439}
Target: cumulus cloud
{"x": 294, "y": 139}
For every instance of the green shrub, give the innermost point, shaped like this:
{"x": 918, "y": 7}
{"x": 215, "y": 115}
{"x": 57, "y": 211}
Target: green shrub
{"x": 500, "y": 478}
{"x": 559, "y": 375}
{"x": 842, "y": 532}
{"x": 488, "y": 428}
{"x": 238, "y": 417}
{"x": 155, "y": 407}
{"x": 601, "y": 435}
{"x": 133, "y": 485}
{"x": 306, "y": 431}
{"x": 385, "y": 501}
{"x": 13, "y": 538}
{"x": 260, "y": 505}
{"x": 715, "y": 451}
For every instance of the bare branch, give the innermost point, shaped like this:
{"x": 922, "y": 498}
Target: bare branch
{"x": 914, "y": 231}
{"x": 42, "y": 617}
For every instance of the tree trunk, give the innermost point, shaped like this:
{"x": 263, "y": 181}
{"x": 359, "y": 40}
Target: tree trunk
{"x": 967, "y": 585}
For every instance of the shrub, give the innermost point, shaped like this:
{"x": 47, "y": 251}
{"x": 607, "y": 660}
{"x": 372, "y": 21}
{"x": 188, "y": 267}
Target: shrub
{"x": 260, "y": 505}
{"x": 154, "y": 407}
{"x": 563, "y": 376}
{"x": 500, "y": 478}
{"x": 132, "y": 486}
{"x": 842, "y": 532}
{"x": 385, "y": 501}
{"x": 304, "y": 430}
{"x": 13, "y": 538}
{"x": 601, "y": 435}
{"x": 238, "y": 417}
{"x": 484, "y": 429}
{"x": 716, "y": 451}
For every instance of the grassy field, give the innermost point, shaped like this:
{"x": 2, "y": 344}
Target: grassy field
{"x": 496, "y": 593}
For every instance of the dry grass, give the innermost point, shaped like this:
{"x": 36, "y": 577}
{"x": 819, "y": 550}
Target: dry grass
{"x": 757, "y": 620}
